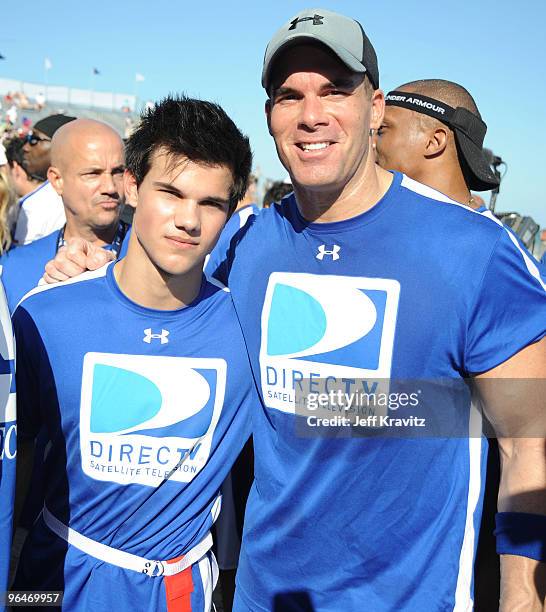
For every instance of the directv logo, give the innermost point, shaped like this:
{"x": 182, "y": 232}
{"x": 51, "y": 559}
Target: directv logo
{"x": 144, "y": 419}
{"x": 325, "y": 326}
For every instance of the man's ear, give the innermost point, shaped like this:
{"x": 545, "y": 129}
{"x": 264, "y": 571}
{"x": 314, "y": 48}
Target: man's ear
{"x": 377, "y": 109}
{"x": 130, "y": 188}
{"x": 268, "y": 114}
{"x": 55, "y": 178}
{"x": 436, "y": 142}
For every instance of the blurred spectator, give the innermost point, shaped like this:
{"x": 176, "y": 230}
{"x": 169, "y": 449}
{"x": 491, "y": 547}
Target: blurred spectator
{"x": 432, "y": 147}
{"x": 21, "y": 183}
{"x": 6, "y": 201}
{"x": 276, "y": 193}
{"x": 11, "y": 114}
{"x": 41, "y": 212}
{"x": 129, "y": 127}
{"x": 22, "y": 100}
{"x": 40, "y": 100}
{"x": 9, "y": 209}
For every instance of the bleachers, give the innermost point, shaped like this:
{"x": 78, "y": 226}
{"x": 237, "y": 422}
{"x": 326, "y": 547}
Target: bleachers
{"x": 114, "y": 118}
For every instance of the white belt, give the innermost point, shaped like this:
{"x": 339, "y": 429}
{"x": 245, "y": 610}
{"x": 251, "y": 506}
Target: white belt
{"x": 124, "y": 559}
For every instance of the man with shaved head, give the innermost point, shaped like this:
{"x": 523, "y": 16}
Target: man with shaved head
{"x": 433, "y": 132}
{"x": 87, "y": 164}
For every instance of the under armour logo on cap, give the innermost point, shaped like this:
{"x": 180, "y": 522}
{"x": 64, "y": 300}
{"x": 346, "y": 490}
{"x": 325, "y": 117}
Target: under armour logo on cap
{"x": 316, "y": 19}
{"x": 343, "y": 35}
{"x": 148, "y": 336}
{"x": 322, "y": 251}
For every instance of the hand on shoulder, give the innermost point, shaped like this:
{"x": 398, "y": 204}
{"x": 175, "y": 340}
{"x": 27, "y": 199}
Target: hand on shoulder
{"x": 76, "y": 257}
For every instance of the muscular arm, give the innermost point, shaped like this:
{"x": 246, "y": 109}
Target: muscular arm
{"x": 514, "y": 398}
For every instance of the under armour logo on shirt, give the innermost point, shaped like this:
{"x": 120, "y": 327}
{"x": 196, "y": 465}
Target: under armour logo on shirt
{"x": 316, "y": 19}
{"x": 322, "y": 251}
{"x": 148, "y": 336}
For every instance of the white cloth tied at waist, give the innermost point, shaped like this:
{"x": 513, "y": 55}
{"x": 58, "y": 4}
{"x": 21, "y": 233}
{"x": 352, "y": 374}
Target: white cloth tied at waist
{"x": 123, "y": 559}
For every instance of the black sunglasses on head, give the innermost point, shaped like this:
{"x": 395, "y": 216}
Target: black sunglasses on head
{"x": 32, "y": 139}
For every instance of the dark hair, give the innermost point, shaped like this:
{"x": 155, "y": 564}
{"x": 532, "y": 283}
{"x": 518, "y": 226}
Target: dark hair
{"x": 193, "y": 129}
{"x": 276, "y": 192}
{"x": 14, "y": 152}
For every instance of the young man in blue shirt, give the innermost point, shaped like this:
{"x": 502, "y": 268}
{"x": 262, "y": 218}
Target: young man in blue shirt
{"x": 140, "y": 375}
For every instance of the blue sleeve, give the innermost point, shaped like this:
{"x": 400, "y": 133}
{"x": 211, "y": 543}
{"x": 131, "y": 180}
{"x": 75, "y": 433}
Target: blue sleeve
{"x": 222, "y": 270}
{"x": 220, "y": 266}
{"x": 29, "y": 350}
{"x": 216, "y": 259}
{"x": 509, "y": 311}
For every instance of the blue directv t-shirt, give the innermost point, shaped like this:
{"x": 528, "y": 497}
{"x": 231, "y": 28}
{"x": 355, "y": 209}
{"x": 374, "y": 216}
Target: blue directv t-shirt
{"x": 146, "y": 411}
{"x": 235, "y": 223}
{"x": 418, "y": 287}
{"x": 8, "y": 439}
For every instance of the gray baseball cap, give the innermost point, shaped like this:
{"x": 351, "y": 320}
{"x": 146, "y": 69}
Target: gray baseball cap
{"x": 342, "y": 35}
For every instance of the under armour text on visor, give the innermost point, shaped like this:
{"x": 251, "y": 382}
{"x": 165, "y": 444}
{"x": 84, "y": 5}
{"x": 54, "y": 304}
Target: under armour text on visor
{"x": 342, "y": 35}
{"x": 468, "y": 128}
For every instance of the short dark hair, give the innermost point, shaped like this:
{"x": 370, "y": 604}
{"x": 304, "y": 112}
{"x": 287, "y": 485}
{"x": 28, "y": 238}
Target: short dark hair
{"x": 14, "y": 151}
{"x": 197, "y": 130}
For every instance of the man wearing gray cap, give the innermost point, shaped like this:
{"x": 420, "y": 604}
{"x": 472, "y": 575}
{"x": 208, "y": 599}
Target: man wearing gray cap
{"x": 349, "y": 290}
{"x": 41, "y": 211}
{"x": 353, "y": 508}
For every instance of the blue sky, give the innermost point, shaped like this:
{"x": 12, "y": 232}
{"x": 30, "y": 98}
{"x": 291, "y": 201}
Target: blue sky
{"x": 214, "y": 50}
